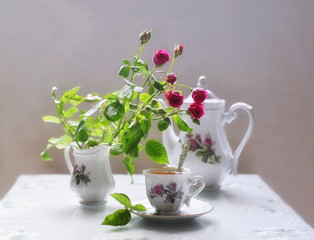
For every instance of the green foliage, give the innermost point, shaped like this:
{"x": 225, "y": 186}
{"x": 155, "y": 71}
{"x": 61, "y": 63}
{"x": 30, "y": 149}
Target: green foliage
{"x": 156, "y": 151}
{"x": 121, "y": 119}
{"x": 122, "y": 217}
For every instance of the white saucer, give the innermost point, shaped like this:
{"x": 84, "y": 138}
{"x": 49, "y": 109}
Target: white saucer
{"x": 197, "y": 208}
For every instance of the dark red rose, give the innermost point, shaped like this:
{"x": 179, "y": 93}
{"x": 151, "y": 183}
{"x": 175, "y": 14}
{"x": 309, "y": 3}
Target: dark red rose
{"x": 178, "y": 50}
{"x": 196, "y": 110}
{"x": 175, "y": 99}
{"x": 199, "y": 95}
{"x": 161, "y": 57}
{"x": 171, "y": 78}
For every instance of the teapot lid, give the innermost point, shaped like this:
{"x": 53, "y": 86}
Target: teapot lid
{"x": 212, "y": 102}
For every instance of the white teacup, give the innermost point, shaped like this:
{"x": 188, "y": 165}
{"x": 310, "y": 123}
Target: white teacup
{"x": 168, "y": 190}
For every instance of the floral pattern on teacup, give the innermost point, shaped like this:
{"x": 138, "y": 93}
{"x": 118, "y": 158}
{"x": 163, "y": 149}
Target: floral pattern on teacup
{"x": 204, "y": 148}
{"x": 170, "y": 191}
{"x": 80, "y": 175}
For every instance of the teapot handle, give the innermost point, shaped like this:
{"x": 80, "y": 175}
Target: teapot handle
{"x": 229, "y": 117}
{"x": 68, "y": 159}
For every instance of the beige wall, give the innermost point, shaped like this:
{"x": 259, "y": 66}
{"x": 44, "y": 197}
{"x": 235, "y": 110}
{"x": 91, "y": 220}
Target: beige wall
{"x": 259, "y": 52}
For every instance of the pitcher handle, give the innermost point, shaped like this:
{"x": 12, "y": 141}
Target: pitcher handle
{"x": 231, "y": 115}
{"x": 68, "y": 159}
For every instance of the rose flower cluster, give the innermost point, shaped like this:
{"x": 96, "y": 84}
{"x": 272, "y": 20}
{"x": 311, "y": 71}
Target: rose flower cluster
{"x": 175, "y": 98}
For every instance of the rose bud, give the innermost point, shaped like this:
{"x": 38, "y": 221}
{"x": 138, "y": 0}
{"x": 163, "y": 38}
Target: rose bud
{"x": 196, "y": 110}
{"x": 161, "y": 57}
{"x": 171, "y": 78}
{"x": 145, "y": 36}
{"x": 154, "y": 102}
{"x": 175, "y": 99}
{"x": 167, "y": 120}
{"x": 178, "y": 50}
{"x": 148, "y": 109}
{"x": 199, "y": 95}
{"x": 161, "y": 111}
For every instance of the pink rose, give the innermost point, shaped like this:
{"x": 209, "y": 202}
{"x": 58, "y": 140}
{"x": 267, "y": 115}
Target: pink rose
{"x": 199, "y": 95}
{"x": 175, "y": 99}
{"x": 161, "y": 57}
{"x": 208, "y": 141}
{"x": 178, "y": 50}
{"x": 196, "y": 110}
{"x": 158, "y": 190}
{"x": 171, "y": 78}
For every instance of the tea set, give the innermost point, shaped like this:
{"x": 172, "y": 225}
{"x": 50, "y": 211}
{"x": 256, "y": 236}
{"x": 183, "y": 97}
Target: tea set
{"x": 207, "y": 163}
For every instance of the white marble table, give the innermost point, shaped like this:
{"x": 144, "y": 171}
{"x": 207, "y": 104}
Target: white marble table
{"x": 43, "y": 207}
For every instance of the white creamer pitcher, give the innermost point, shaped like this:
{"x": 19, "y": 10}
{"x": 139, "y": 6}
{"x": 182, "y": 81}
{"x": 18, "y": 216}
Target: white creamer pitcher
{"x": 91, "y": 176}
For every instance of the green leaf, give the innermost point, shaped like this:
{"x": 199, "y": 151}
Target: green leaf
{"x": 53, "y": 94}
{"x": 95, "y": 108}
{"x": 135, "y": 69}
{"x": 151, "y": 90}
{"x": 107, "y": 135}
{"x": 144, "y": 97}
{"x": 92, "y": 97}
{"x": 131, "y": 137}
{"x": 72, "y": 96}
{"x": 126, "y": 91}
{"x": 129, "y": 164}
{"x": 124, "y": 71}
{"x": 156, "y": 151}
{"x": 114, "y": 111}
{"x": 119, "y": 218}
{"x": 162, "y": 125}
{"x": 45, "y": 155}
{"x": 126, "y": 62}
{"x": 79, "y": 127}
{"x": 145, "y": 127}
{"x": 182, "y": 125}
{"x": 51, "y": 119}
{"x": 122, "y": 198}
{"x": 82, "y": 136}
{"x": 62, "y": 142}
{"x": 60, "y": 107}
{"x": 158, "y": 85}
{"x": 70, "y": 112}
{"x": 139, "y": 207}
{"x": 116, "y": 149}
{"x": 92, "y": 143}
{"x": 143, "y": 67}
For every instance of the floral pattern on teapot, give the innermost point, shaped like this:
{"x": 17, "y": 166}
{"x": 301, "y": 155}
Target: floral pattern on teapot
{"x": 203, "y": 148}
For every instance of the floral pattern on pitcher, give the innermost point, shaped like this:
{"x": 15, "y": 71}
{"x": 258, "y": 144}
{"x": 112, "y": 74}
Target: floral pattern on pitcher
{"x": 204, "y": 148}
{"x": 80, "y": 175}
{"x": 170, "y": 191}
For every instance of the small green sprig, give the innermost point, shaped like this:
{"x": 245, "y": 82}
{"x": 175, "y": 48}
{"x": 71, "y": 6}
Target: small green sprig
{"x": 122, "y": 217}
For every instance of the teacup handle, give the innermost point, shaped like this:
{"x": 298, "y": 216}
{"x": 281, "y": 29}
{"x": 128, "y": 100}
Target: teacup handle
{"x": 193, "y": 181}
{"x": 68, "y": 159}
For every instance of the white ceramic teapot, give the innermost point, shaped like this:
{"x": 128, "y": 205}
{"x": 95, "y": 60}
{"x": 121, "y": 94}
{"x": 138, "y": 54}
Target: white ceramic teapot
{"x": 210, "y": 154}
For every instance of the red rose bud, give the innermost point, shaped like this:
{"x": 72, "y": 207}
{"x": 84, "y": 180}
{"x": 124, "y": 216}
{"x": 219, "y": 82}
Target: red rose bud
{"x": 171, "y": 78}
{"x": 178, "y": 50}
{"x": 161, "y": 57}
{"x": 199, "y": 95}
{"x": 145, "y": 36}
{"x": 175, "y": 99}
{"x": 196, "y": 110}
